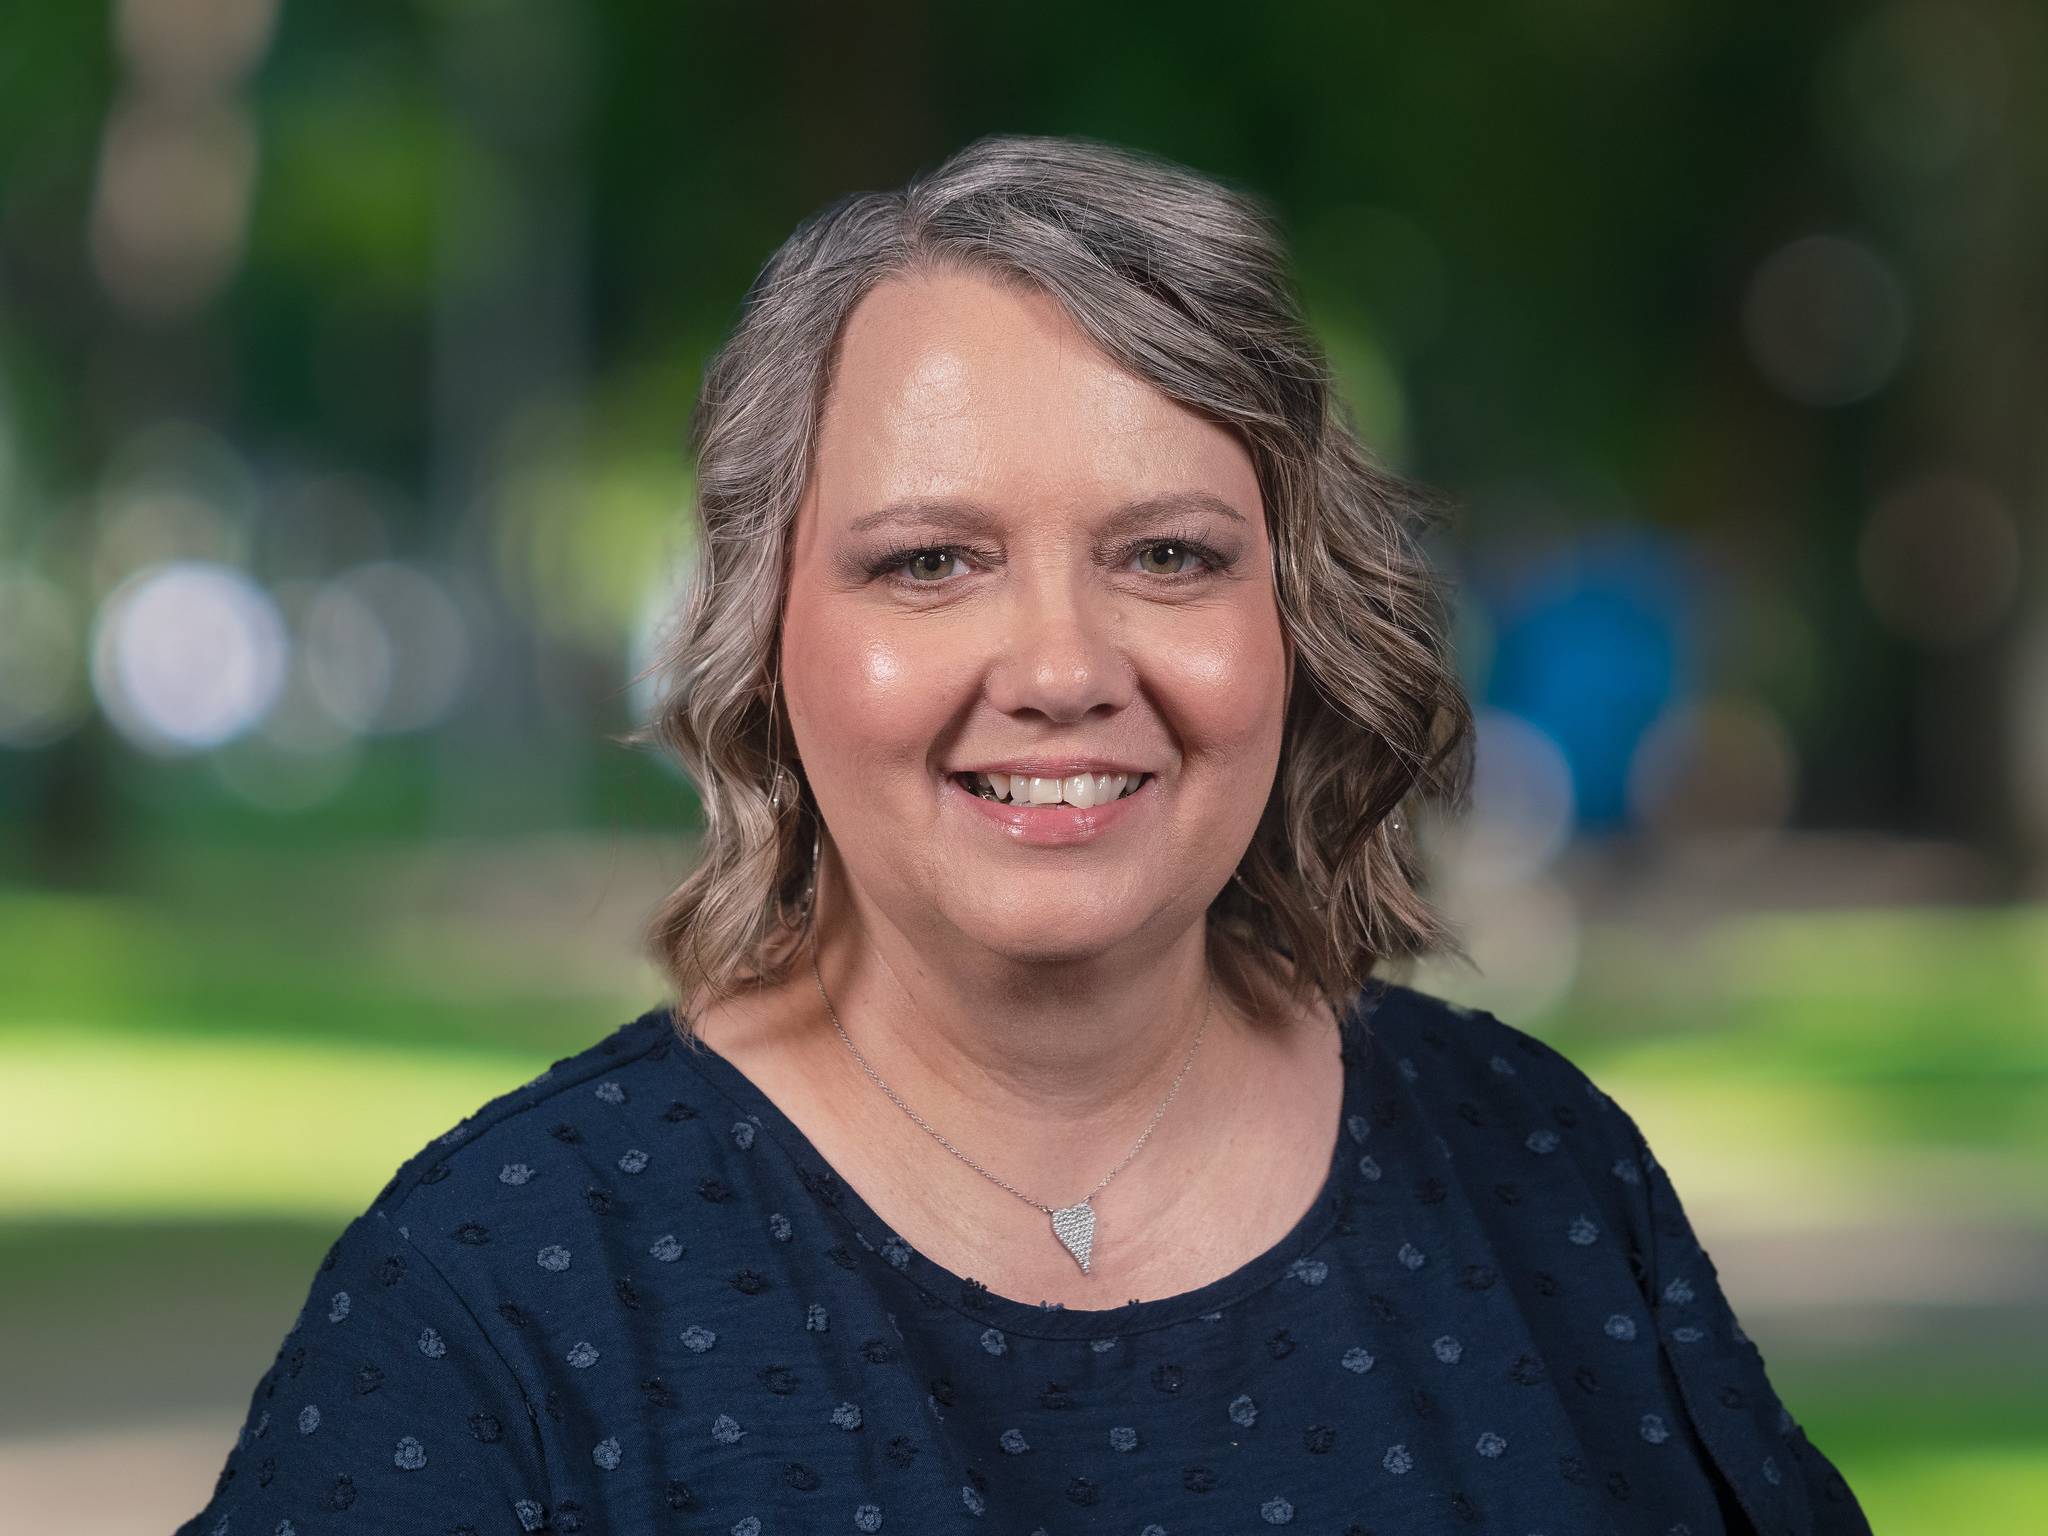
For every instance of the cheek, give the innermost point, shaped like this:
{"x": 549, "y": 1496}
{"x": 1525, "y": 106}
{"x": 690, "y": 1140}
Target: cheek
{"x": 1225, "y": 687}
{"x": 860, "y": 700}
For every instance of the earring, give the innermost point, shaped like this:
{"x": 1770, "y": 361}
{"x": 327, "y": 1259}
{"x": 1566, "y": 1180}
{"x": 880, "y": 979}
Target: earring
{"x": 811, "y": 889}
{"x": 776, "y": 769}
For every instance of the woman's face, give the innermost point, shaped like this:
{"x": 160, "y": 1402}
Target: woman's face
{"x": 1012, "y": 556}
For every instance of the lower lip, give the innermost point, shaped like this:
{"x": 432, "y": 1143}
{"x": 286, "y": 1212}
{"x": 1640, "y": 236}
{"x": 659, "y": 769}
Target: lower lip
{"x": 1053, "y": 826}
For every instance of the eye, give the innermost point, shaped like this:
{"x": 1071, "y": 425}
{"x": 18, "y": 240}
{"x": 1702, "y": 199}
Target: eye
{"x": 1168, "y": 553}
{"x": 920, "y": 563}
{"x": 918, "y": 567}
{"x": 1169, "y": 550}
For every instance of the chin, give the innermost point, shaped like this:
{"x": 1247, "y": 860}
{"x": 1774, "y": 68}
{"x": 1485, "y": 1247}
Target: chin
{"x": 1075, "y": 938}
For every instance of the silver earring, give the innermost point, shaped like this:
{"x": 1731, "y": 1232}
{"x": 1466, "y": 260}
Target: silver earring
{"x": 775, "y": 744}
{"x": 811, "y": 890}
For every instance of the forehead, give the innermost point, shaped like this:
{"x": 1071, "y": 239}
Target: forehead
{"x": 950, "y": 384}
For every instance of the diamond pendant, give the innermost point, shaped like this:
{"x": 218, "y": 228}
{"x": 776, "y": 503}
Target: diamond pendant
{"x": 1074, "y": 1226}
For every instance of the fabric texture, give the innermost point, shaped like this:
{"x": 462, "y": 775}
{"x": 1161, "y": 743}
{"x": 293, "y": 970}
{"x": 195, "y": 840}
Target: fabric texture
{"x": 629, "y": 1296}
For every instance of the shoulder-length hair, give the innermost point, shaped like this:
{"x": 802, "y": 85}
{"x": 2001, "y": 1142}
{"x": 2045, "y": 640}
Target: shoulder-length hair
{"x": 1184, "y": 282}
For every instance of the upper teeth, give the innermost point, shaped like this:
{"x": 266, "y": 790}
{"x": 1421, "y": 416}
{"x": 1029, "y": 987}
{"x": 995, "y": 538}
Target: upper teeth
{"x": 1076, "y": 789}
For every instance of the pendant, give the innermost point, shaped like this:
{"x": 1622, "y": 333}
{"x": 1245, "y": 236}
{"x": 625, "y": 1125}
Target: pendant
{"x": 1074, "y": 1226}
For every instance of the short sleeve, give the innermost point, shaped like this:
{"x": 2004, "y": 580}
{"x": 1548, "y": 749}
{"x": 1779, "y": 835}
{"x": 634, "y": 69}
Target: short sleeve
{"x": 387, "y": 1408}
{"x": 1783, "y": 1481}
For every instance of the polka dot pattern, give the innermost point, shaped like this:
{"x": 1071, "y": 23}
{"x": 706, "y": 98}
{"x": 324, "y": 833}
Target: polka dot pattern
{"x": 629, "y": 1296}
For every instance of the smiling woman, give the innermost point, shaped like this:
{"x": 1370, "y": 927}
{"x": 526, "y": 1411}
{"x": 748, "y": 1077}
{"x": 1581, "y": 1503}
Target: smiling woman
{"x": 1058, "y": 665}
{"x": 1053, "y": 408}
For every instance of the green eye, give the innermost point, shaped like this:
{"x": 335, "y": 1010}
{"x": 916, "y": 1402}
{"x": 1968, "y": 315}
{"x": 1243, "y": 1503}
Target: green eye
{"x": 917, "y": 563}
{"x": 1175, "y": 549}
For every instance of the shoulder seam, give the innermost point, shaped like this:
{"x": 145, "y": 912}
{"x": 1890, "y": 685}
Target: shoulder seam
{"x": 393, "y": 1198}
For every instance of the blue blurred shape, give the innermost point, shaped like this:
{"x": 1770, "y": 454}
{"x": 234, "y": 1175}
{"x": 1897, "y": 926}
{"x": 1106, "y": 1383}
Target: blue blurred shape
{"x": 1590, "y": 646}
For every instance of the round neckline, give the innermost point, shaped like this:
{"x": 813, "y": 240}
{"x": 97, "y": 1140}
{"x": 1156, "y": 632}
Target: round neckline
{"x": 975, "y": 1301}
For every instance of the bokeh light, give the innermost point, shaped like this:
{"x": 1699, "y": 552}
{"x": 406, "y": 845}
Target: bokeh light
{"x": 1939, "y": 561}
{"x": 299, "y": 721}
{"x": 1522, "y": 812}
{"x": 349, "y": 659}
{"x": 1826, "y": 320}
{"x": 178, "y": 156}
{"x": 387, "y": 648}
{"x": 187, "y": 656}
{"x": 1717, "y": 772}
{"x": 172, "y": 207}
{"x": 191, "y": 47}
{"x": 1912, "y": 89}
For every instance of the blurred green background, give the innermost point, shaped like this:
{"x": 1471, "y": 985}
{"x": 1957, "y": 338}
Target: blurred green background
{"x": 345, "y": 357}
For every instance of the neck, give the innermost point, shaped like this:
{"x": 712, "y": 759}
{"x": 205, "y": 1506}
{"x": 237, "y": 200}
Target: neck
{"x": 1044, "y": 1072}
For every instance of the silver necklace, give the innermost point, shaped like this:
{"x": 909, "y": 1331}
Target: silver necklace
{"x": 1073, "y": 1225}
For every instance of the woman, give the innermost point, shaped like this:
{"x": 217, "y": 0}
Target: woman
{"x": 1032, "y": 1147}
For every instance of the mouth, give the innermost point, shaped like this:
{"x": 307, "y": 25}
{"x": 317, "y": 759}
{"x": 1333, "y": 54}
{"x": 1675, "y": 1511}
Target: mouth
{"x": 1080, "y": 790}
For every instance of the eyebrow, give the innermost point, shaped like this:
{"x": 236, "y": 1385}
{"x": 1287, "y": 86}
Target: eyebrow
{"x": 945, "y": 511}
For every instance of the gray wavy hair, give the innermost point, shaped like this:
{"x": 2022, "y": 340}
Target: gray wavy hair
{"x": 1184, "y": 282}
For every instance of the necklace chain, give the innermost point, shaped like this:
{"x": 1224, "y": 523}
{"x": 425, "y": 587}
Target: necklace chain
{"x": 1208, "y": 997}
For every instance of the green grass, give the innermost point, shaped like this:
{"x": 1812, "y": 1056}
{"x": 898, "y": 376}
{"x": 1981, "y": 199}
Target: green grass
{"x": 124, "y": 1125}
{"x": 318, "y": 967}
{"x": 1934, "y": 1443}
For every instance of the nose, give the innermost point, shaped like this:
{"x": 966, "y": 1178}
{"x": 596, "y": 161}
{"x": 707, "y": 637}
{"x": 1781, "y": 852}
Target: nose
{"x": 1060, "y": 655}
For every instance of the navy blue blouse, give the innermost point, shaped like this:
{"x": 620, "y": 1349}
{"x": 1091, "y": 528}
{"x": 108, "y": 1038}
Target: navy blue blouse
{"x": 629, "y": 1296}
